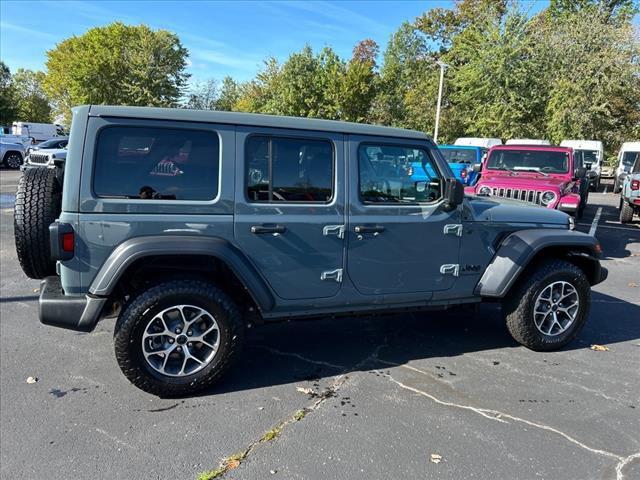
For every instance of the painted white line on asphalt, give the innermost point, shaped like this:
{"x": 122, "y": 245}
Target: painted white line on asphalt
{"x": 628, "y": 229}
{"x": 594, "y": 224}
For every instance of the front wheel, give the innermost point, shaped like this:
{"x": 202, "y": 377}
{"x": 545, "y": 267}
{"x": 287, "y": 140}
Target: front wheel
{"x": 13, "y": 160}
{"x": 547, "y": 309}
{"x": 178, "y": 337}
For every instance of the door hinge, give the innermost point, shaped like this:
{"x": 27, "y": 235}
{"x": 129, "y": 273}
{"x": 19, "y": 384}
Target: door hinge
{"x": 453, "y": 229}
{"x": 450, "y": 268}
{"x": 332, "y": 275}
{"x": 337, "y": 230}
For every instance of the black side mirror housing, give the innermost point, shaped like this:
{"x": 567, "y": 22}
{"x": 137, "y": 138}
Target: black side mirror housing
{"x": 453, "y": 192}
{"x": 579, "y": 172}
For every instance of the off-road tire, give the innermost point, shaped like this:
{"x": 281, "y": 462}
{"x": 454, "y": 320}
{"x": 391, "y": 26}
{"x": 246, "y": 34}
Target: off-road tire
{"x": 38, "y": 203}
{"x": 136, "y": 315}
{"x": 626, "y": 212}
{"x": 519, "y": 304}
{"x": 13, "y": 160}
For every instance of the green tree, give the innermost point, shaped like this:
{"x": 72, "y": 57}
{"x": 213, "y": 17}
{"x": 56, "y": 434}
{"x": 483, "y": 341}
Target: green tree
{"x": 203, "y": 96}
{"x": 117, "y": 64}
{"x": 8, "y": 110}
{"x": 593, "y": 80}
{"x": 31, "y": 100}
{"x": 359, "y": 83}
{"x": 229, "y": 95}
{"x": 497, "y": 83}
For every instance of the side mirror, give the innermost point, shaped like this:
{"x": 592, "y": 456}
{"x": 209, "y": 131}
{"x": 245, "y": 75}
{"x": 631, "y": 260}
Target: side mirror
{"x": 453, "y": 192}
{"x": 579, "y": 172}
{"x": 477, "y": 167}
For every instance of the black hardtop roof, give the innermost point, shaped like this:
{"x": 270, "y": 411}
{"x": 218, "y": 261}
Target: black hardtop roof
{"x": 252, "y": 119}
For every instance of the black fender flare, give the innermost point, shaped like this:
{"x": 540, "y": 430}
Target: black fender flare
{"x": 136, "y": 248}
{"x": 519, "y": 248}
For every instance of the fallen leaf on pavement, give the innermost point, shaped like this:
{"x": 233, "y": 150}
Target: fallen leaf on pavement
{"x": 435, "y": 458}
{"x": 32, "y": 379}
{"x": 306, "y": 391}
{"x": 231, "y": 464}
{"x": 631, "y": 284}
{"x": 599, "y": 348}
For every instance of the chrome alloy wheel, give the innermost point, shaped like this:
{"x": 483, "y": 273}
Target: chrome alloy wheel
{"x": 556, "y": 308}
{"x": 180, "y": 340}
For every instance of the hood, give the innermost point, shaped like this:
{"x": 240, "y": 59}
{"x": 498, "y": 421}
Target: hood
{"x": 525, "y": 180}
{"x": 495, "y": 209}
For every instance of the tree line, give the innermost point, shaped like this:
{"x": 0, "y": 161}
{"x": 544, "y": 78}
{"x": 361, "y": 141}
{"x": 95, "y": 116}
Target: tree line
{"x": 570, "y": 71}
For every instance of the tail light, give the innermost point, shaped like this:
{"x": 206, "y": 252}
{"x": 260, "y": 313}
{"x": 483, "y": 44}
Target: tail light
{"x": 62, "y": 241}
{"x": 463, "y": 173}
{"x": 635, "y": 184}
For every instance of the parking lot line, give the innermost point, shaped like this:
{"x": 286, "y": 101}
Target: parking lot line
{"x": 594, "y": 224}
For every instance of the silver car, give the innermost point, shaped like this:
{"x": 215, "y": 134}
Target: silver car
{"x": 11, "y": 154}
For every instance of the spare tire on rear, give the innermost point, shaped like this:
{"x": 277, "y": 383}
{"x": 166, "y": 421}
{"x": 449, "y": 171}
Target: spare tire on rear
{"x": 38, "y": 204}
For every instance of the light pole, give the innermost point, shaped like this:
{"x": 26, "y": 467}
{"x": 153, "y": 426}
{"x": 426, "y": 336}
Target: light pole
{"x": 442, "y": 67}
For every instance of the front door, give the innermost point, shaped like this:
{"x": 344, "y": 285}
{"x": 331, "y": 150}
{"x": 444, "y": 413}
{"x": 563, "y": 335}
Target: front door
{"x": 401, "y": 237}
{"x": 289, "y": 216}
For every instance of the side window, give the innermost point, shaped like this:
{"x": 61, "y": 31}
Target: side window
{"x": 396, "y": 174}
{"x": 156, "y": 164}
{"x": 289, "y": 169}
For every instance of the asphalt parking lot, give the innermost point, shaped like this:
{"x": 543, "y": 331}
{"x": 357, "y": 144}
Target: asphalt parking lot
{"x": 361, "y": 398}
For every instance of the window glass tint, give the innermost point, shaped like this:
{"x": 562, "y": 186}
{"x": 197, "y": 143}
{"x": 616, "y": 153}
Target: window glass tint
{"x": 628, "y": 158}
{"x": 289, "y": 169}
{"x": 529, "y": 160}
{"x": 156, "y": 164}
{"x": 458, "y": 155}
{"x": 395, "y": 174}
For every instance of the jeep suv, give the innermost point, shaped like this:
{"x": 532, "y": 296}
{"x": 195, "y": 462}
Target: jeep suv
{"x": 190, "y": 225}
{"x": 630, "y": 193}
{"x": 541, "y": 175}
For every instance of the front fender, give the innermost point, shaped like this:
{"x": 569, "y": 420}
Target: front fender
{"x": 519, "y": 248}
{"x": 125, "y": 254}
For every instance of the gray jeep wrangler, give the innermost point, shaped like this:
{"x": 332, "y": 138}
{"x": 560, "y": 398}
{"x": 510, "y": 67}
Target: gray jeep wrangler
{"x": 191, "y": 225}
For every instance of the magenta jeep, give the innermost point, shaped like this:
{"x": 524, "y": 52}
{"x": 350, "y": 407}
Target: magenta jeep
{"x": 542, "y": 175}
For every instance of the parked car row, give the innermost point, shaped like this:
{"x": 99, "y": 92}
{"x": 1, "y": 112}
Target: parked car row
{"x": 13, "y": 154}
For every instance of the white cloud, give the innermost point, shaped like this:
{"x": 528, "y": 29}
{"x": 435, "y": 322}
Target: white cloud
{"x": 29, "y": 31}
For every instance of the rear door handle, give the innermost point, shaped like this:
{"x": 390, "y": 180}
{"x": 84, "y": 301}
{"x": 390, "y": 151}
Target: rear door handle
{"x": 364, "y": 229}
{"x": 261, "y": 229}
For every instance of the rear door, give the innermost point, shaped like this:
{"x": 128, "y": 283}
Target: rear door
{"x": 289, "y": 216}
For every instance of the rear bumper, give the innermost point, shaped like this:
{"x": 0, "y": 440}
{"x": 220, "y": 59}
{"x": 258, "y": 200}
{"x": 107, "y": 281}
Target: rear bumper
{"x": 80, "y": 313}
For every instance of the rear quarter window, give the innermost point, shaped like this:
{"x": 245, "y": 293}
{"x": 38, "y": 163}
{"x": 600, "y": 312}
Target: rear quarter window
{"x": 157, "y": 164}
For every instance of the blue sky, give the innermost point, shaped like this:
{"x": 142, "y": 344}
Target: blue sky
{"x": 223, "y": 38}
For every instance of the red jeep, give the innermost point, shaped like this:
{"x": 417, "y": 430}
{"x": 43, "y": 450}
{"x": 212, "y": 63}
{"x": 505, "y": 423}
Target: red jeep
{"x": 543, "y": 175}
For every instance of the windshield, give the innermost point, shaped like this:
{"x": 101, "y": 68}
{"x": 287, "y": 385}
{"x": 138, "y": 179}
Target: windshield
{"x": 585, "y": 158}
{"x": 529, "y": 160}
{"x": 459, "y": 155}
{"x": 51, "y": 143}
{"x": 628, "y": 158}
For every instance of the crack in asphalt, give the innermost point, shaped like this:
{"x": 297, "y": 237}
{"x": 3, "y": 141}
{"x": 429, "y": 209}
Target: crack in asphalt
{"x": 321, "y": 397}
{"x": 490, "y": 414}
{"x": 497, "y": 415}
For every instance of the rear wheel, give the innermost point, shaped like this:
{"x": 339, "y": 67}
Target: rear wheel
{"x": 178, "y": 337}
{"x": 626, "y": 212}
{"x": 38, "y": 203}
{"x": 547, "y": 309}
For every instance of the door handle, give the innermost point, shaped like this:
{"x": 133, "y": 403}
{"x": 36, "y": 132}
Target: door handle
{"x": 364, "y": 229}
{"x": 261, "y": 229}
